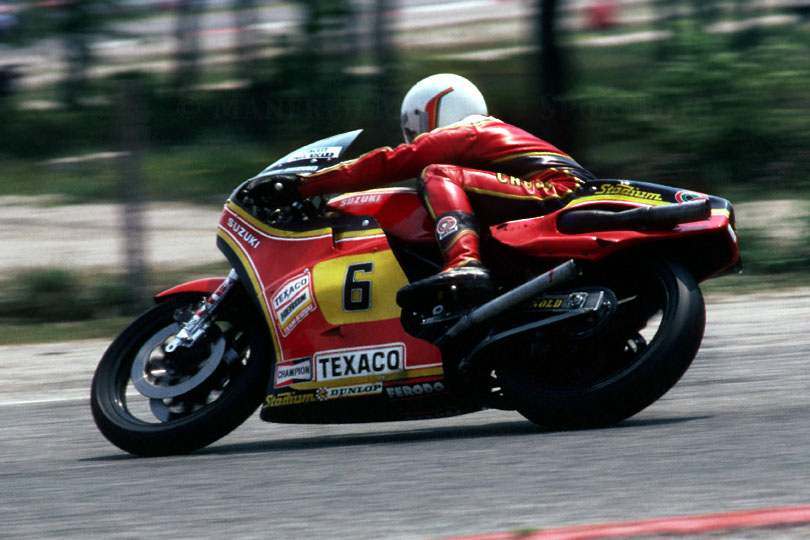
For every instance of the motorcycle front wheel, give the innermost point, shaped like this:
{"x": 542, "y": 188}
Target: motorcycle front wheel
{"x": 560, "y": 382}
{"x": 151, "y": 403}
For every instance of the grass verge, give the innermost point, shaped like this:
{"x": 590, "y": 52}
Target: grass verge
{"x": 49, "y": 305}
{"x": 18, "y": 334}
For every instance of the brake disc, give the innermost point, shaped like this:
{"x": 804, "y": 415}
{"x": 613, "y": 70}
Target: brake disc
{"x": 149, "y": 369}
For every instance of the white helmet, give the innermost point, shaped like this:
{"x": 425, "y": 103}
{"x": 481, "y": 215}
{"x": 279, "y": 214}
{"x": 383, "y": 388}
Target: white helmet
{"x": 438, "y": 101}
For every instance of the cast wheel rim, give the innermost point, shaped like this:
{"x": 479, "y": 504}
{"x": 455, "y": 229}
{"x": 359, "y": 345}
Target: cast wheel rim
{"x": 156, "y": 387}
{"x": 155, "y": 376}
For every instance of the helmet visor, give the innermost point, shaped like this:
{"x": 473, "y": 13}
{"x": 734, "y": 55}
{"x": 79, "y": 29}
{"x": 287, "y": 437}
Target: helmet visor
{"x": 409, "y": 134}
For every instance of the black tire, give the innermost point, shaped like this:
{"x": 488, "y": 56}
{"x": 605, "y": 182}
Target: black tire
{"x": 618, "y": 372}
{"x": 218, "y": 399}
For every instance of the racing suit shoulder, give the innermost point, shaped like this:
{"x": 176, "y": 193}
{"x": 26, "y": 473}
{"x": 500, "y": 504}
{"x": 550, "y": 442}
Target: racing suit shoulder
{"x": 479, "y": 142}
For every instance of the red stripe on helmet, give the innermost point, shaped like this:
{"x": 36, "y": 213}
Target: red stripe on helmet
{"x": 432, "y": 108}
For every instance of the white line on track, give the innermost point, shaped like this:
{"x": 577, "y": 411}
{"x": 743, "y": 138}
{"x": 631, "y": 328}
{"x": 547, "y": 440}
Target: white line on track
{"x": 65, "y": 399}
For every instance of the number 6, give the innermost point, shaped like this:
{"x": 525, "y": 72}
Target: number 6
{"x": 357, "y": 292}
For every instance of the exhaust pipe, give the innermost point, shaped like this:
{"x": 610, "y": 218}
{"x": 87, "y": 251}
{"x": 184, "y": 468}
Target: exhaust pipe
{"x": 645, "y": 218}
{"x": 555, "y": 277}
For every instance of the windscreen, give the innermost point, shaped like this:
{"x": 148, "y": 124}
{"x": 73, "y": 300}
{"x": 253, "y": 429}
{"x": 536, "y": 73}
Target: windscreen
{"x": 314, "y": 156}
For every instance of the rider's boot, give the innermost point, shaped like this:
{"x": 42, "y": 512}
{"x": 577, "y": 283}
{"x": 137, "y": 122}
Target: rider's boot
{"x": 463, "y": 281}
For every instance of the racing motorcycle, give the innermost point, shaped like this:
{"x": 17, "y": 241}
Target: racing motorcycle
{"x": 597, "y": 314}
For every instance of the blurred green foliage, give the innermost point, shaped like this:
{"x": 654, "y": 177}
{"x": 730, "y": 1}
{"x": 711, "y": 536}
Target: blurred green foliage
{"x": 57, "y": 294}
{"x": 49, "y": 295}
{"x": 762, "y": 255}
{"x": 33, "y": 134}
{"x": 711, "y": 112}
{"x": 711, "y": 116}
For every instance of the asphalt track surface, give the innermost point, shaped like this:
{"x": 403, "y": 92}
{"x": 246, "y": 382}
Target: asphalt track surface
{"x": 732, "y": 436}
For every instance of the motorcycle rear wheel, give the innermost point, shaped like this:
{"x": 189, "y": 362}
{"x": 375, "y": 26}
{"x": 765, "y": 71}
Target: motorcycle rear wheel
{"x": 644, "y": 350}
{"x": 150, "y": 403}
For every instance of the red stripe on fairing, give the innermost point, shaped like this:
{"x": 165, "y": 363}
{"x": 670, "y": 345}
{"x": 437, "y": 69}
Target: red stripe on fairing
{"x": 432, "y": 108}
{"x": 747, "y": 519}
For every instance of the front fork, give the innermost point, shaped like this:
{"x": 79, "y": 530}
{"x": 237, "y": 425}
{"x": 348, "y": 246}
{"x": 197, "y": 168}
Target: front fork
{"x": 199, "y": 323}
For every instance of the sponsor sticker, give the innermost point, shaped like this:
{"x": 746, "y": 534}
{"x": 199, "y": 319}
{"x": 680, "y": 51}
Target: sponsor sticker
{"x": 415, "y": 390}
{"x": 293, "y": 302}
{"x": 287, "y": 398}
{"x": 446, "y": 226}
{"x": 297, "y": 170}
{"x": 325, "y": 394}
{"x": 243, "y": 233}
{"x": 360, "y": 199}
{"x": 627, "y": 191}
{"x": 293, "y": 371}
{"x": 326, "y": 152}
{"x": 688, "y": 196}
{"x": 547, "y": 303}
{"x": 361, "y": 361}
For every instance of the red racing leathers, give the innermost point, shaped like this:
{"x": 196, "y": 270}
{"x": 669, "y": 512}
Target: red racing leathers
{"x": 478, "y": 167}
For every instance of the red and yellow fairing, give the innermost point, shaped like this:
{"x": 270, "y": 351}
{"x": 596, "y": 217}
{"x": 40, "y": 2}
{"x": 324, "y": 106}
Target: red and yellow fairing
{"x": 324, "y": 289}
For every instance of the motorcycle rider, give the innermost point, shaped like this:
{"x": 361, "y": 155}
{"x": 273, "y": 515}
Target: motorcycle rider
{"x": 470, "y": 168}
